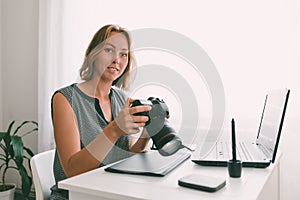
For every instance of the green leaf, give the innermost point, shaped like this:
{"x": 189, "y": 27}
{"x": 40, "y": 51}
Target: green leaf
{"x": 17, "y": 145}
{"x": 10, "y": 127}
{"x": 13, "y": 149}
{"x": 25, "y": 122}
{"x": 2, "y": 135}
{"x": 26, "y": 180}
{"x": 7, "y": 135}
{"x": 27, "y": 133}
{"x": 10, "y": 151}
{"x": 30, "y": 153}
{"x": 2, "y": 145}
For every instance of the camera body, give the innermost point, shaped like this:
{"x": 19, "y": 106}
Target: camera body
{"x": 159, "y": 109}
{"x": 163, "y": 136}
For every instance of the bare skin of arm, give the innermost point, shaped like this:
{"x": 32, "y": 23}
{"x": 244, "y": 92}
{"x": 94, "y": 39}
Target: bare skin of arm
{"x": 140, "y": 145}
{"x": 76, "y": 160}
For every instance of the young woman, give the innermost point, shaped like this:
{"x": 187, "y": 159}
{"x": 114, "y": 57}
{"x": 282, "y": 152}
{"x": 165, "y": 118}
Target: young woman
{"x": 93, "y": 121}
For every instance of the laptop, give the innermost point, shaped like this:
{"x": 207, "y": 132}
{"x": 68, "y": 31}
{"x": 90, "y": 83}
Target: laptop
{"x": 262, "y": 152}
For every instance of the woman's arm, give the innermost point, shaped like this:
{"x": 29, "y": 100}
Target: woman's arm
{"x": 76, "y": 160}
{"x": 140, "y": 145}
{"x": 67, "y": 138}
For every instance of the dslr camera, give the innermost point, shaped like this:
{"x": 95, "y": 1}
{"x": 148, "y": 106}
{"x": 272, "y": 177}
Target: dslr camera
{"x": 163, "y": 136}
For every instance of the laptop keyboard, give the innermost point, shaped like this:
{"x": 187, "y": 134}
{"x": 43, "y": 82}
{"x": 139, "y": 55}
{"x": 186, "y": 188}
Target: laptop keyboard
{"x": 243, "y": 151}
{"x": 268, "y": 152}
{"x": 223, "y": 151}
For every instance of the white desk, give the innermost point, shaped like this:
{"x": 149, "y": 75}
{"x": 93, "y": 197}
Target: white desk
{"x": 98, "y": 184}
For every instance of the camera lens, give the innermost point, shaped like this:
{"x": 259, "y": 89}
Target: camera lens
{"x": 163, "y": 135}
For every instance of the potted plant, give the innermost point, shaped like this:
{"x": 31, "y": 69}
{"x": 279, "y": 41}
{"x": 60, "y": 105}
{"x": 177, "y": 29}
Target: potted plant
{"x": 15, "y": 155}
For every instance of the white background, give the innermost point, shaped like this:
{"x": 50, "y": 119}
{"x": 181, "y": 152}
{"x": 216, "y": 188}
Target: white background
{"x": 253, "y": 44}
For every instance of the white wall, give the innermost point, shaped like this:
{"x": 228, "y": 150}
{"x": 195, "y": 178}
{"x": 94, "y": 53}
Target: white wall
{"x": 254, "y": 45}
{"x": 19, "y": 53}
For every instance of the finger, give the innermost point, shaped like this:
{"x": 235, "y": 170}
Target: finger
{"x": 140, "y": 124}
{"x": 138, "y": 109}
{"x": 142, "y": 119}
{"x": 130, "y": 100}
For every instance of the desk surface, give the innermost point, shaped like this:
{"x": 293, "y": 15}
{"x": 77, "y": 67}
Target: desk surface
{"x": 99, "y": 183}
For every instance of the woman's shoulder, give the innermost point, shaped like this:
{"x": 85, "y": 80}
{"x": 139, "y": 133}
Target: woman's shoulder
{"x": 66, "y": 91}
{"x": 66, "y": 88}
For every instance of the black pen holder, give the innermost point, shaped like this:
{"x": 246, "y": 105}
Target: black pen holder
{"x": 234, "y": 168}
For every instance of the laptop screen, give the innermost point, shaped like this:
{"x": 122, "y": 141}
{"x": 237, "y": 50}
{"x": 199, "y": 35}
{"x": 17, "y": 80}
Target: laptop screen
{"x": 272, "y": 119}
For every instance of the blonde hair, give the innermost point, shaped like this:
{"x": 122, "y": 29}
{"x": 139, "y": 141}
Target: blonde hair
{"x": 96, "y": 46}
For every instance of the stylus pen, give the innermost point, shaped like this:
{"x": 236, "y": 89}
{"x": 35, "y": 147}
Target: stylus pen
{"x": 233, "y": 140}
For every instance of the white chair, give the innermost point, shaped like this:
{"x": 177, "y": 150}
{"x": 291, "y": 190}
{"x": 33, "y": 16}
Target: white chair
{"x": 42, "y": 173}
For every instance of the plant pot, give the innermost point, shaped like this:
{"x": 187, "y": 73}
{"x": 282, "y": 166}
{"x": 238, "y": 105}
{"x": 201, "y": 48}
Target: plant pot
{"x": 8, "y": 194}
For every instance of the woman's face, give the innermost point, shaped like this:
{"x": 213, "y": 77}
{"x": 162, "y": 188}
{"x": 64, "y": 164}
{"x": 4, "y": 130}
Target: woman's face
{"x": 113, "y": 59}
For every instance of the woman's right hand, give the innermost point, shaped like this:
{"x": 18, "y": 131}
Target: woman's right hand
{"x": 129, "y": 123}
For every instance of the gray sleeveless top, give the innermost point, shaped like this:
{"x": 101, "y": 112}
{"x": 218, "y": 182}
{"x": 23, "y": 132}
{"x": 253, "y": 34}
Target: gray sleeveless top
{"x": 91, "y": 122}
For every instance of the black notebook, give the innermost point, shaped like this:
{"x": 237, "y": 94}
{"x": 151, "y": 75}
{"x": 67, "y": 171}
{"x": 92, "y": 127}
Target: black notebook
{"x": 150, "y": 163}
